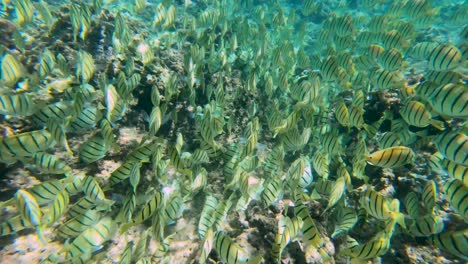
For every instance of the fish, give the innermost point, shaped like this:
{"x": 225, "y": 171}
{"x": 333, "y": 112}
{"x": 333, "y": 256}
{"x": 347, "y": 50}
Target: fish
{"x": 337, "y": 192}
{"x": 456, "y": 171}
{"x": 346, "y": 219}
{"x": 92, "y": 239}
{"x": 46, "y": 15}
{"x": 450, "y": 100}
{"x": 47, "y": 191}
{"x": 18, "y": 105}
{"x": 416, "y": 114}
{"x": 453, "y": 145}
{"x": 59, "y": 110}
{"x": 444, "y": 77}
{"x": 24, "y": 11}
{"x": 388, "y": 140}
{"x": 411, "y": 203}
{"x": 74, "y": 226}
{"x": 115, "y": 105}
{"x": 377, "y": 246}
{"x": 429, "y": 196}
{"x": 457, "y": 194}
{"x": 230, "y": 252}
{"x": 12, "y": 69}
{"x": 426, "y": 225}
{"x": 135, "y": 175}
{"x": 391, "y": 157}
{"x": 92, "y": 190}
{"x": 342, "y": 114}
{"x": 30, "y": 211}
{"x": 57, "y": 208}
{"x": 444, "y": 57}
{"x": 47, "y": 62}
{"x": 13, "y": 225}
{"x": 25, "y": 144}
{"x": 128, "y": 207}
{"x": 311, "y": 234}
{"x": 422, "y": 50}
{"x": 123, "y": 172}
{"x": 94, "y": 149}
{"x": 85, "y": 66}
{"x": 391, "y": 59}
{"x": 320, "y": 162}
{"x": 47, "y": 163}
{"x": 150, "y": 208}
{"x": 86, "y": 119}
{"x": 454, "y": 242}
{"x": 381, "y": 207}
{"x": 126, "y": 256}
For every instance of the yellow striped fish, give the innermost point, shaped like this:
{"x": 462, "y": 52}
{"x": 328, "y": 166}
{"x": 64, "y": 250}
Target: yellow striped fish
{"x": 206, "y": 219}
{"x": 426, "y": 225}
{"x": 321, "y": 163}
{"x": 49, "y": 163}
{"x": 150, "y": 208}
{"x": 45, "y": 14}
{"x": 456, "y": 171}
{"x": 30, "y": 211}
{"x": 385, "y": 79}
{"x": 57, "y": 208}
{"x": 92, "y": 239}
{"x": 338, "y": 190}
{"x": 450, "y": 100}
{"x": 94, "y": 149}
{"x": 84, "y": 204}
{"x": 25, "y": 144}
{"x": 12, "y": 69}
{"x": 346, "y": 218}
{"x": 92, "y": 190}
{"x": 389, "y": 139}
{"x": 13, "y": 225}
{"x": 230, "y": 252}
{"x": 416, "y": 114}
{"x": 85, "y": 67}
{"x": 457, "y": 194}
{"x": 378, "y": 246}
{"x": 444, "y": 77}
{"x": 391, "y": 59}
{"x": 454, "y": 146}
{"x": 391, "y": 157}
{"x": 86, "y": 119}
{"x": 412, "y": 204}
{"x": 60, "y": 110}
{"x": 342, "y": 114}
{"x": 429, "y": 196}
{"x": 421, "y": 50}
{"x": 46, "y": 192}
{"x": 18, "y": 105}
{"x": 444, "y": 57}
{"x": 126, "y": 256}
{"x": 115, "y": 104}
{"x": 24, "y": 11}
{"x": 77, "y": 224}
{"x": 381, "y": 207}
{"x": 455, "y": 242}
{"x": 312, "y": 236}
{"x": 47, "y": 63}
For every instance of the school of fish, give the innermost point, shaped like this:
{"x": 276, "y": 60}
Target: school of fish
{"x": 343, "y": 122}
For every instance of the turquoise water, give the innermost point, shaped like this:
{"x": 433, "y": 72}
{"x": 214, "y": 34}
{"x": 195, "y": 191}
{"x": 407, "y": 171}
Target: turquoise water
{"x": 233, "y": 131}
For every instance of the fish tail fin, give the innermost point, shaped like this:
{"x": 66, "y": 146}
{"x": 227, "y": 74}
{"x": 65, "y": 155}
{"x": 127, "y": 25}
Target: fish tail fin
{"x": 440, "y": 125}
